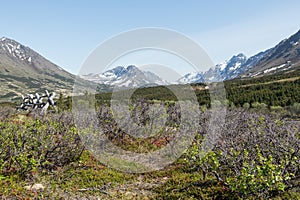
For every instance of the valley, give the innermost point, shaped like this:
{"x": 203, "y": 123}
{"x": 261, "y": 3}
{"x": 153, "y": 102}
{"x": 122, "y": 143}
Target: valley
{"x": 67, "y": 153}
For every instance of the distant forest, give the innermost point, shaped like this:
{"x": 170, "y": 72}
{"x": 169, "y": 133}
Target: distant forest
{"x": 275, "y": 90}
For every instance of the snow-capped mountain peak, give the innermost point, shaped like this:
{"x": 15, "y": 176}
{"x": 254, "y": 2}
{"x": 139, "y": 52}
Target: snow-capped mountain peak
{"x": 131, "y": 76}
{"x": 233, "y": 67}
{"x": 14, "y": 49}
{"x": 226, "y": 70}
{"x": 222, "y": 65}
{"x": 126, "y": 77}
{"x": 193, "y": 77}
{"x": 282, "y": 57}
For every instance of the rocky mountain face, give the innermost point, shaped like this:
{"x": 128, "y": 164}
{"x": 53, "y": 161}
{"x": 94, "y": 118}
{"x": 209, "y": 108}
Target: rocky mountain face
{"x": 192, "y": 78}
{"x": 223, "y": 71}
{"x": 283, "y": 57}
{"x": 23, "y": 71}
{"x": 126, "y": 77}
{"x": 227, "y": 70}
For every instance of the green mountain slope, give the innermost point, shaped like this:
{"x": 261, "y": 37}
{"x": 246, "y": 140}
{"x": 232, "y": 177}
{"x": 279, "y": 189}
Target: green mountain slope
{"x": 23, "y": 71}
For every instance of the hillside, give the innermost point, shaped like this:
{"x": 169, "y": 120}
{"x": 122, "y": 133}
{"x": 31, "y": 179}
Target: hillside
{"x": 285, "y": 56}
{"x": 22, "y": 70}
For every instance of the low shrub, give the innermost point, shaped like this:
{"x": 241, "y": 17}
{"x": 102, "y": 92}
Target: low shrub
{"x": 31, "y": 144}
{"x": 256, "y": 155}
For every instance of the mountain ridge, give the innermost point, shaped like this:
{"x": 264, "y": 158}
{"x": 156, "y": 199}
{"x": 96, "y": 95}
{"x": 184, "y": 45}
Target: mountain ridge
{"x": 23, "y": 70}
{"x": 124, "y": 77}
{"x": 284, "y": 56}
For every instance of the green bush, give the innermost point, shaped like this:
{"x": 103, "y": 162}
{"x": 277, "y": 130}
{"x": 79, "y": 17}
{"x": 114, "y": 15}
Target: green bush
{"x": 32, "y": 144}
{"x": 295, "y": 108}
{"x": 259, "y": 175}
{"x": 256, "y": 155}
{"x": 276, "y": 108}
{"x": 258, "y": 105}
{"x": 246, "y": 105}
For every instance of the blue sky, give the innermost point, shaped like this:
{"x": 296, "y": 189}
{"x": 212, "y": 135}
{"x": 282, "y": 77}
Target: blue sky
{"x": 67, "y": 31}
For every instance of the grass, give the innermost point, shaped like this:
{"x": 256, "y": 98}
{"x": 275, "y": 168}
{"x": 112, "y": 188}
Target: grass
{"x": 90, "y": 180}
{"x": 86, "y": 178}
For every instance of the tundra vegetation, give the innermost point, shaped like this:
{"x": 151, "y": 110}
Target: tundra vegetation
{"x": 256, "y": 156}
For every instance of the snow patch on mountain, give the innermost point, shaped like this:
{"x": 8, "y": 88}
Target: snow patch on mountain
{"x": 127, "y": 77}
{"x": 236, "y": 66}
{"x": 226, "y": 70}
{"x": 193, "y": 77}
{"x": 223, "y": 65}
{"x": 274, "y": 68}
{"x": 15, "y": 49}
{"x": 133, "y": 77}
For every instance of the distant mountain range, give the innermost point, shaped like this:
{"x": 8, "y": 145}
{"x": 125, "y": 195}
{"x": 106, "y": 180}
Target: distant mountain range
{"x": 128, "y": 77}
{"x": 131, "y": 76}
{"x": 282, "y": 57}
{"x": 223, "y": 71}
{"x": 22, "y": 70}
{"x": 229, "y": 69}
